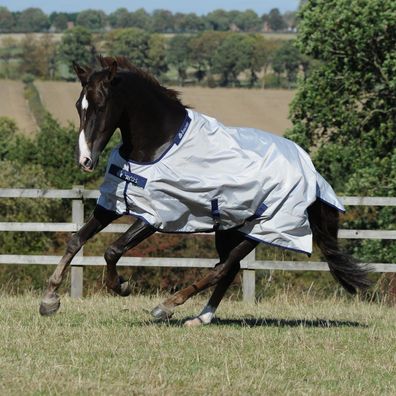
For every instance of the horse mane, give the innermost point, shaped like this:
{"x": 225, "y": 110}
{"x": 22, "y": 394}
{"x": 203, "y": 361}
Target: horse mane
{"x": 124, "y": 64}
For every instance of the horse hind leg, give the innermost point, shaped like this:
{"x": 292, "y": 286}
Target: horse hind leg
{"x": 208, "y": 312}
{"x": 165, "y": 309}
{"x": 100, "y": 218}
{"x": 225, "y": 242}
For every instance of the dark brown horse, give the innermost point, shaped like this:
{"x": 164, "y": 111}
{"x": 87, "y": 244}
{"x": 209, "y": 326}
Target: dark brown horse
{"x": 149, "y": 115}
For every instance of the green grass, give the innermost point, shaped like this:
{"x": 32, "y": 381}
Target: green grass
{"x": 283, "y": 345}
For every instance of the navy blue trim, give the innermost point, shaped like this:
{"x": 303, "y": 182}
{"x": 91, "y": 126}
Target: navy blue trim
{"x": 129, "y": 177}
{"x": 176, "y": 140}
{"x": 259, "y": 211}
{"x": 215, "y": 212}
{"x": 276, "y": 245}
{"x": 215, "y": 208}
{"x": 182, "y": 130}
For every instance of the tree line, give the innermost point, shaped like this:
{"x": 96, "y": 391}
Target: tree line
{"x": 160, "y": 21}
{"x": 208, "y": 58}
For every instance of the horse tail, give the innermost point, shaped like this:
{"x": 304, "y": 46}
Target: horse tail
{"x": 324, "y": 221}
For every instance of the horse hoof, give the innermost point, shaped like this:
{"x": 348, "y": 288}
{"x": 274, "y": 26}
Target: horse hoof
{"x": 125, "y": 289}
{"x": 160, "y": 312}
{"x": 195, "y": 322}
{"x": 49, "y": 305}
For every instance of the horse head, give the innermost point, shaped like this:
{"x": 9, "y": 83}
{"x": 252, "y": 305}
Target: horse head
{"x": 98, "y": 110}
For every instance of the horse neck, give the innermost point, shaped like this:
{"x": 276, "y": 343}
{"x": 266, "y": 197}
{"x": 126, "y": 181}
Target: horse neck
{"x": 148, "y": 131}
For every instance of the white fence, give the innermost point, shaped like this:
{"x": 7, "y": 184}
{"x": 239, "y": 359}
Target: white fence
{"x": 78, "y": 194}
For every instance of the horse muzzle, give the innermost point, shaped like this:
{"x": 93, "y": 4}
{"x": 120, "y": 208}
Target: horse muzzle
{"x": 87, "y": 164}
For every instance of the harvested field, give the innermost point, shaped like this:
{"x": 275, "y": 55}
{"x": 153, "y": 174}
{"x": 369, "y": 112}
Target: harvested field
{"x": 264, "y": 109}
{"x": 59, "y": 98}
{"x": 14, "y": 105}
{"x": 102, "y": 345}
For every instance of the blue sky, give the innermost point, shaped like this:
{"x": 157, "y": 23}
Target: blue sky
{"x": 199, "y": 7}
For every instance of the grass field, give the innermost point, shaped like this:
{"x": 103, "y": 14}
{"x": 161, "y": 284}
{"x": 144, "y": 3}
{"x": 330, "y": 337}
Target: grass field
{"x": 13, "y": 104}
{"x": 285, "y": 345}
{"x": 264, "y": 109}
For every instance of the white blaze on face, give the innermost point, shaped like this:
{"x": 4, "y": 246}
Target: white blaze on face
{"x": 85, "y": 152}
{"x": 84, "y": 103}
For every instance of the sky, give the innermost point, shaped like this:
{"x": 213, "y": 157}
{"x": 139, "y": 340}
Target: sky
{"x": 200, "y": 7}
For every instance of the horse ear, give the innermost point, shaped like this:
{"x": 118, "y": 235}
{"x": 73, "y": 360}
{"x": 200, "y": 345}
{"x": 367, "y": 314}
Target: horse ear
{"x": 82, "y": 72}
{"x": 112, "y": 71}
{"x": 102, "y": 61}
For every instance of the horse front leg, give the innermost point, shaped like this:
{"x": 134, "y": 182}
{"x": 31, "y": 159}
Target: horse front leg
{"x": 138, "y": 232}
{"x": 99, "y": 219}
{"x": 220, "y": 272}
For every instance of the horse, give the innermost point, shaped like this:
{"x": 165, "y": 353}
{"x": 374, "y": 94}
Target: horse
{"x": 290, "y": 207}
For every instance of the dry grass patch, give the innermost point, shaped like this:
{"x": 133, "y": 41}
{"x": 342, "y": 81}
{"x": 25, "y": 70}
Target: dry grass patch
{"x": 108, "y": 345}
{"x": 14, "y": 105}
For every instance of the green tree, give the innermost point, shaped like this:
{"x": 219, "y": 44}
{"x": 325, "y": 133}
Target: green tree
{"x": 7, "y": 20}
{"x": 92, "y": 19}
{"x": 179, "y": 55}
{"x": 276, "y": 21}
{"x": 8, "y": 130}
{"x": 344, "y": 111}
{"x": 202, "y": 49}
{"x": 32, "y": 20}
{"x": 249, "y": 21}
{"x": 120, "y": 18}
{"x": 9, "y": 51}
{"x": 162, "y": 21}
{"x": 188, "y": 23}
{"x": 132, "y": 43}
{"x": 59, "y": 20}
{"x": 140, "y": 19}
{"x": 233, "y": 57}
{"x": 37, "y": 56}
{"x": 287, "y": 59}
{"x": 77, "y": 45}
{"x": 219, "y": 20}
{"x": 261, "y": 57}
{"x": 156, "y": 54}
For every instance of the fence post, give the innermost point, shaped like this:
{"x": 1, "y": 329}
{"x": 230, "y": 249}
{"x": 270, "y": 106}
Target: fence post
{"x": 76, "y": 288}
{"x": 249, "y": 279}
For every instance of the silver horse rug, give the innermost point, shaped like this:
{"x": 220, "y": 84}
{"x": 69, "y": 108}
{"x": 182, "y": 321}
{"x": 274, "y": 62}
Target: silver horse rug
{"x": 214, "y": 177}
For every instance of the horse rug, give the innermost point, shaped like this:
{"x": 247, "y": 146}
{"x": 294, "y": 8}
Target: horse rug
{"x": 214, "y": 177}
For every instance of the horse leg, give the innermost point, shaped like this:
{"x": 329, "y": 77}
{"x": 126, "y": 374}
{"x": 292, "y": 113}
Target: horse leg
{"x": 138, "y": 232}
{"x": 98, "y": 220}
{"x": 225, "y": 242}
{"x": 165, "y": 310}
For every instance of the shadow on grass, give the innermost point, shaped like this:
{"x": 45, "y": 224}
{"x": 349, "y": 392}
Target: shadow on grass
{"x": 269, "y": 322}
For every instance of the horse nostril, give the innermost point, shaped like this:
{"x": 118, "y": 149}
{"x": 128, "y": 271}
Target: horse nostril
{"x": 86, "y": 162}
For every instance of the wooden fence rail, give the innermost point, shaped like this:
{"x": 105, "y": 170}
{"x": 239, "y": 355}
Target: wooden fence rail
{"x": 249, "y": 265}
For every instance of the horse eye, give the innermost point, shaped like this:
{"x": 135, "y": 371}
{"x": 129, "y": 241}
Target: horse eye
{"x": 101, "y": 107}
